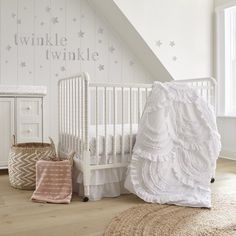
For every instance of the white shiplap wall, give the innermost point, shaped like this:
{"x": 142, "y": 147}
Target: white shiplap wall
{"x": 74, "y": 20}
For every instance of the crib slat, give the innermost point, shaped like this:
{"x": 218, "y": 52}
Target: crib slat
{"x": 82, "y": 119}
{"x": 131, "y": 133}
{"x": 76, "y": 114}
{"x": 114, "y": 124}
{"x": 79, "y": 116}
{"x": 97, "y": 114}
{"x": 73, "y": 114}
{"x": 122, "y": 124}
{"x": 139, "y": 113}
{"x": 105, "y": 119}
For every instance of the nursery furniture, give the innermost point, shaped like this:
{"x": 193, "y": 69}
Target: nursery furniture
{"x": 99, "y": 121}
{"x": 21, "y": 115}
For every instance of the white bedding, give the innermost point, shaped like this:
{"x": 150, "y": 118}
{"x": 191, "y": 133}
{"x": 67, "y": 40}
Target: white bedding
{"x": 176, "y": 148}
{"x": 110, "y": 139}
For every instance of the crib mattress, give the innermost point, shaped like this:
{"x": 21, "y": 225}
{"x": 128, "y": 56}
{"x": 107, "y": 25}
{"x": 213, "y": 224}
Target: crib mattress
{"x": 107, "y": 146}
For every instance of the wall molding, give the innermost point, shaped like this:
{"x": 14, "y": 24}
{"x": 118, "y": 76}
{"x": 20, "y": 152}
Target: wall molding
{"x": 226, "y": 154}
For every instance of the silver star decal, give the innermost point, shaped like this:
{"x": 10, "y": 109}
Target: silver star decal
{"x": 56, "y": 75}
{"x": 8, "y": 47}
{"x": 101, "y": 67}
{"x": 63, "y": 68}
{"x": 55, "y": 20}
{"x": 82, "y": 16}
{"x": 6, "y": 61}
{"x": 81, "y": 34}
{"x": 115, "y": 62}
{"x": 172, "y": 43}
{"x": 111, "y": 49}
{"x": 41, "y": 66}
{"x": 61, "y": 9}
{"x": 19, "y": 22}
{"x": 47, "y": 9}
{"x": 13, "y": 15}
{"x": 74, "y": 19}
{"x": 30, "y": 72}
{"x": 131, "y": 63}
{"x": 42, "y": 23}
{"x": 158, "y": 43}
{"x": 174, "y": 58}
{"x": 99, "y": 41}
{"x": 23, "y": 64}
{"x": 100, "y": 30}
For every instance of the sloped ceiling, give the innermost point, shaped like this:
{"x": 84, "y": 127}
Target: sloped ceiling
{"x": 128, "y": 33}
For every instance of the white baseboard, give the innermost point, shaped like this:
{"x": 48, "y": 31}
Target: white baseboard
{"x": 228, "y": 155}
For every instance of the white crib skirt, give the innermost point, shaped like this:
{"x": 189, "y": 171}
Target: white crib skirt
{"x": 103, "y": 183}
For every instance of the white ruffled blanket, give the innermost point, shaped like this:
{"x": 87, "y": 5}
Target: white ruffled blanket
{"x": 176, "y": 148}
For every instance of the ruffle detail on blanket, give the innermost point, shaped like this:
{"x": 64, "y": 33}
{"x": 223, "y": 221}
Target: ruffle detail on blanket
{"x": 176, "y": 148}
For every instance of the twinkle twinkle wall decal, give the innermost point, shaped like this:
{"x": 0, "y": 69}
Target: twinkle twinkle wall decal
{"x": 100, "y": 30}
{"x": 111, "y": 49}
{"x": 101, "y": 67}
{"x": 48, "y": 9}
{"x": 8, "y": 47}
{"x": 55, "y": 20}
{"x": 81, "y": 34}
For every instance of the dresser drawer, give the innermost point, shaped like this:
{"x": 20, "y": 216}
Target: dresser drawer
{"x": 28, "y": 107}
{"x": 29, "y": 120}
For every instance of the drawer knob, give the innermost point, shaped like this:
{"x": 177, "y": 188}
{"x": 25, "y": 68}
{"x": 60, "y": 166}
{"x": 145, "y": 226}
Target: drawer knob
{"x": 28, "y": 108}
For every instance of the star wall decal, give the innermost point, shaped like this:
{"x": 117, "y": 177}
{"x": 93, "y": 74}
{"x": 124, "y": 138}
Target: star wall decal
{"x": 131, "y": 63}
{"x": 63, "y": 68}
{"x": 81, "y": 34}
{"x": 111, "y": 49}
{"x": 25, "y": 8}
{"x": 56, "y": 75}
{"x": 13, "y": 15}
{"x": 172, "y": 43}
{"x": 55, "y": 20}
{"x": 23, "y": 64}
{"x": 74, "y": 19}
{"x": 101, "y": 67}
{"x": 158, "y": 43}
{"x": 6, "y": 61}
{"x": 8, "y": 47}
{"x": 115, "y": 61}
{"x": 47, "y": 9}
{"x": 30, "y": 72}
{"x": 40, "y": 66}
{"x": 19, "y": 21}
{"x": 82, "y": 16}
{"x": 100, "y": 30}
{"x": 61, "y": 8}
{"x": 99, "y": 41}
{"x": 174, "y": 58}
{"x": 42, "y": 23}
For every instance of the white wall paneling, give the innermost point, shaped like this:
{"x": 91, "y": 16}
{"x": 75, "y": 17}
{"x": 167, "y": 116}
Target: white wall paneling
{"x": 42, "y": 41}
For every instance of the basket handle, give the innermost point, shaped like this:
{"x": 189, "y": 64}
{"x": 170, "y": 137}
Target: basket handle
{"x": 14, "y": 140}
{"x": 52, "y": 143}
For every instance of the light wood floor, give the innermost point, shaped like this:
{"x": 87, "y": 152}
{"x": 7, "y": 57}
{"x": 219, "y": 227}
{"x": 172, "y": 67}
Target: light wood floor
{"x": 21, "y": 217}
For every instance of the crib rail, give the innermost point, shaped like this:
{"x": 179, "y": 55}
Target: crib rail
{"x": 110, "y": 106}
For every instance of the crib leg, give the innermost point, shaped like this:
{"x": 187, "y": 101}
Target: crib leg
{"x": 86, "y": 176}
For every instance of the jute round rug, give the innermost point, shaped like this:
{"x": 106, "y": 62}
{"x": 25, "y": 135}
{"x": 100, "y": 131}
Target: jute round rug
{"x": 169, "y": 220}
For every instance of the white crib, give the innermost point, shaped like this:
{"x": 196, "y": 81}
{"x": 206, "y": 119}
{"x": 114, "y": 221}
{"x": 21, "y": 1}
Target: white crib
{"x": 100, "y": 120}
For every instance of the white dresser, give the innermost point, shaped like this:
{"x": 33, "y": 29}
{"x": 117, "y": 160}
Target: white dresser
{"x": 21, "y": 115}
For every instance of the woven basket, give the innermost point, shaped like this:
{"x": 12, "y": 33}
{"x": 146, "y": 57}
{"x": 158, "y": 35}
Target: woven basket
{"x": 22, "y": 160}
